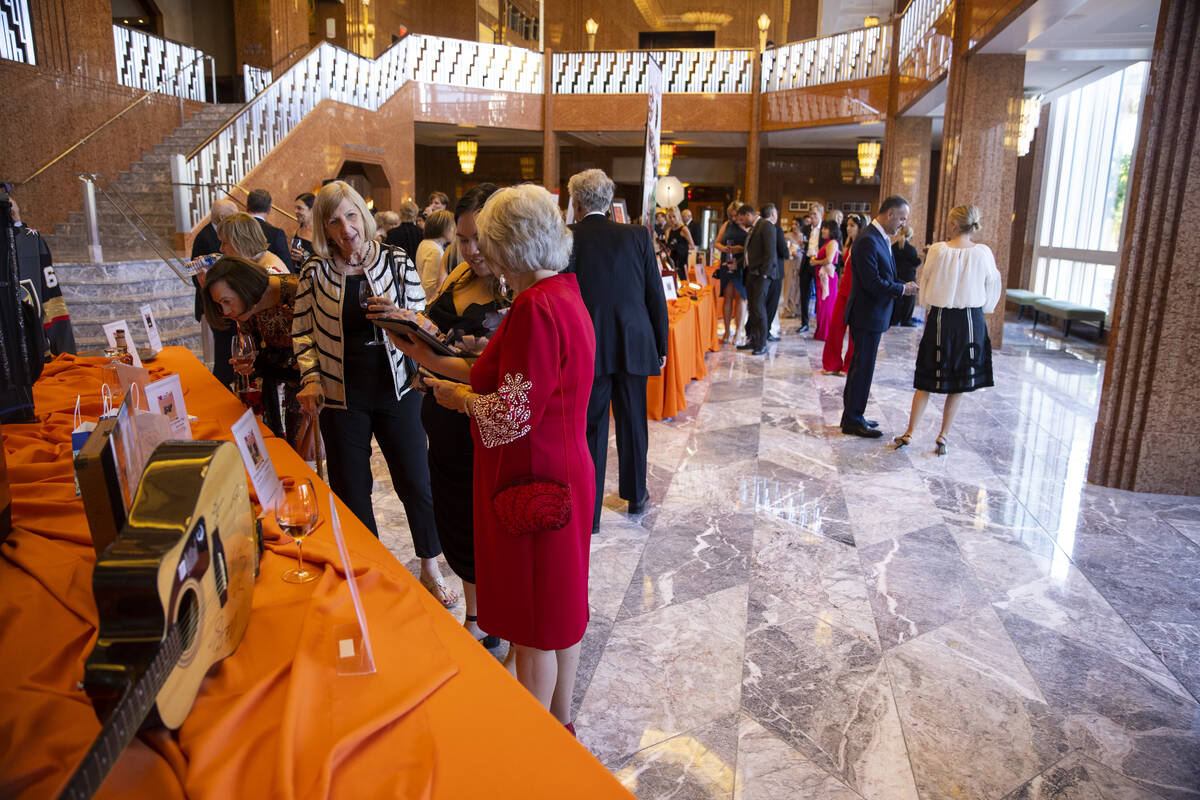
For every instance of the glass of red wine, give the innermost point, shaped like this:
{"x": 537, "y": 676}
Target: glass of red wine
{"x": 364, "y": 300}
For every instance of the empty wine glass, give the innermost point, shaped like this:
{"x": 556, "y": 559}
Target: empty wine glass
{"x": 297, "y": 515}
{"x": 364, "y": 300}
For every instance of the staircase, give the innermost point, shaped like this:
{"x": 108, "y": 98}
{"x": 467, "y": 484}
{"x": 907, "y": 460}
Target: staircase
{"x": 132, "y": 274}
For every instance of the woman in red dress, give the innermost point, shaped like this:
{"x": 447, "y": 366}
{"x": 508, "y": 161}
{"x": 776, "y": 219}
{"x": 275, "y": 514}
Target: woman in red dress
{"x": 832, "y": 360}
{"x": 528, "y": 402}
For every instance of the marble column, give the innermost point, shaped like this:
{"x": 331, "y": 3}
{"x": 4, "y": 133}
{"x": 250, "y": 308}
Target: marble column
{"x": 906, "y": 154}
{"x": 979, "y": 149}
{"x": 753, "y": 148}
{"x": 1147, "y": 435}
{"x": 1028, "y": 207}
{"x": 550, "y": 160}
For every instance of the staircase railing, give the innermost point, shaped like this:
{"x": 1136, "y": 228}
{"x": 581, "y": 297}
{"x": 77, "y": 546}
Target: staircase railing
{"x": 624, "y": 71}
{"x": 846, "y": 56}
{"x": 255, "y": 79}
{"x": 16, "y": 34}
{"x": 117, "y": 199}
{"x": 143, "y": 60}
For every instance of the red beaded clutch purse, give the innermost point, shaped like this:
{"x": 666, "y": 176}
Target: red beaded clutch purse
{"x": 532, "y": 504}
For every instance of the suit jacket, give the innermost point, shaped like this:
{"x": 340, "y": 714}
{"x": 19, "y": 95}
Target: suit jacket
{"x": 206, "y": 242}
{"x": 873, "y": 282}
{"x": 805, "y": 261}
{"x": 694, "y": 229}
{"x": 407, "y": 236}
{"x": 277, "y": 243}
{"x": 622, "y": 289}
{"x": 762, "y": 250}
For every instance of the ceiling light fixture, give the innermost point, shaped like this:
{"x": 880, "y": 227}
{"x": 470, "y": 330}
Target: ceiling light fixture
{"x": 871, "y": 21}
{"x": 590, "y": 27}
{"x": 764, "y": 24}
{"x": 868, "y": 157}
{"x": 467, "y": 150}
{"x": 666, "y": 152}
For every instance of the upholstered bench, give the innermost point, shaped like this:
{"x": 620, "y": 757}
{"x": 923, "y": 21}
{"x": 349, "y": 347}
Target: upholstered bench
{"x": 1022, "y": 298}
{"x": 1068, "y": 313}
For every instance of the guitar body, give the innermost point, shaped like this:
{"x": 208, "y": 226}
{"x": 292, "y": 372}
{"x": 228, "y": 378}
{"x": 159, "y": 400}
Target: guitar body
{"x": 183, "y": 563}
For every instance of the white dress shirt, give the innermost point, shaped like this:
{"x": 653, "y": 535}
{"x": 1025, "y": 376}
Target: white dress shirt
{"x": 959, "y": 277}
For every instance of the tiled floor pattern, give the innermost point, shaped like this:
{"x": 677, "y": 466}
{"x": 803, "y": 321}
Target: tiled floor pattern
{"x": 803, "y": 614}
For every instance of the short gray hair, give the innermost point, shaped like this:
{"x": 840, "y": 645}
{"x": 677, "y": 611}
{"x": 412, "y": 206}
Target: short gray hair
{"x": 521, "y": 230}
{"x": 592, "y": 190}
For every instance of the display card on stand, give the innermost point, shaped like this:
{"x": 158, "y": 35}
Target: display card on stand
{"x": 165, "y": 396}
{"x": 354, "y": 655}
{"x": 249, "y": 441}
{"x": 151, "y": 328}
{"x": 669, "y": 289}
{"x": 110, "y": 333}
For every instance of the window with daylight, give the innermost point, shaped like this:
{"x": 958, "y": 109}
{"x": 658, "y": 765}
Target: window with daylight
{"x": 1084, "y": 185}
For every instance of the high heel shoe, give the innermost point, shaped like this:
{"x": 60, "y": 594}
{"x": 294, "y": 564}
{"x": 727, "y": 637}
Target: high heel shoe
{"x": 488, "y": 641}
{"x": 941, "y": 445}
{"x": 903, "y": 440}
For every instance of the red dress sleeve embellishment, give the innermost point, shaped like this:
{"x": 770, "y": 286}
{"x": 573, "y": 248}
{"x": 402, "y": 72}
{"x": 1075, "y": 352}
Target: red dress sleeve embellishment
{"x": 503, "y": 414}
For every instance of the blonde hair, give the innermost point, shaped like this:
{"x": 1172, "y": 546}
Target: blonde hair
{"x": 440, "y": 224}
{"x": 965, "y": 218}
{"x": 521, "y": 230}
{"x": 906, "y": 233}
{"x": 243, "y": 233}
{"x": 328, "y": 199}
{"x": 409, "y": 211}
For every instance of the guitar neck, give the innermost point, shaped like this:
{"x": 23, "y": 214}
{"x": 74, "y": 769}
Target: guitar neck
{"x": 122, "y": 725}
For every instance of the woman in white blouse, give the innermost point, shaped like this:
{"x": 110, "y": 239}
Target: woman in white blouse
{"x": 959, "y": 284}
{"x": 439, "y": 230}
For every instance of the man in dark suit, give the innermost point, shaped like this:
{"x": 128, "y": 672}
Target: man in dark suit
{"x": 205, "y": 243}
{"x": 693, "y": 226}
{"x": 622, "y": 289}
{"x": 764, "y": 274}
{"x": 869, "y": 310}
{"x": 808, "y": 251}
{"x": 258, "y": 205}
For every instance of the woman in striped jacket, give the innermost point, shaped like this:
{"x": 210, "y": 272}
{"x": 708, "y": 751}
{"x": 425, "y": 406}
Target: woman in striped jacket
{"x": 362, "y": 381}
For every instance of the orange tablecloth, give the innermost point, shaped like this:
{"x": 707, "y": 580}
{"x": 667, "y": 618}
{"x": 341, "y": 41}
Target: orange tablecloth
{"x": 440, "y": 719}
{"x": 693, "y": 333}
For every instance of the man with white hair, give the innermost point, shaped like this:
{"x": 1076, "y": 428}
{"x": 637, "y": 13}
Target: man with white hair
{"x": 206, "y": 243}
{"x": 619, "y": 280}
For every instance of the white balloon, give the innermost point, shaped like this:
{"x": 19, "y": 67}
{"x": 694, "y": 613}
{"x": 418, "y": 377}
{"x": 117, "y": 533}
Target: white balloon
{"x": 669, "y": 192}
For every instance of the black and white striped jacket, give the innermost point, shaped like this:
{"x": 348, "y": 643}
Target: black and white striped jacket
{"x": 317, "y": 318}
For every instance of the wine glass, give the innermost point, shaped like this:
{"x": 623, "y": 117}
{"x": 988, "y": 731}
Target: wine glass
{"x": 297, "y": 515}
{"x": 364, "y": 299}
{"x": 244, "y": 352}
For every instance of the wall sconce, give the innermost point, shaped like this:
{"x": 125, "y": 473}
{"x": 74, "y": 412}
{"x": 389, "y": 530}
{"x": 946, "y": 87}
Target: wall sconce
{"x": 467, "y": 150}
{"x": 666, "y": 152}
{"x": 1031, "y": 109}
{"x": 868, "y": 156}
{"x": 764, "y": 24}
{"x": 591, "y": 26}
{"x": 871, "y": 21}
{"x": 528, "y": 163}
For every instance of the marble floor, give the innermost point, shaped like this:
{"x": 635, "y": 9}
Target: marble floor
{"x": 802, "y": 614}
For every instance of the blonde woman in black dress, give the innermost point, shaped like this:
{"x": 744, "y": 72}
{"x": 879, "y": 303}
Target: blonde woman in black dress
{"x": 959, "y": 285}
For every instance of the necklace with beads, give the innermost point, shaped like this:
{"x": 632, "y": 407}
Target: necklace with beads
{"x": 365, "y": 258}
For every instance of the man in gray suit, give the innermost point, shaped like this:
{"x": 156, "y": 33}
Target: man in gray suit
{"x": 621, "y": 287}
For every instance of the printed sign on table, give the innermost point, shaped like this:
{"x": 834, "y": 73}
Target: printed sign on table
{"x": 151, "y": 328}
{"x": 250, "y": 444}
{"x": 165, "y": 397}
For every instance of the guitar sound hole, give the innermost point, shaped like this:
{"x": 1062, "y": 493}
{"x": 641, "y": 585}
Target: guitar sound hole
{"x": 189, "y": 617}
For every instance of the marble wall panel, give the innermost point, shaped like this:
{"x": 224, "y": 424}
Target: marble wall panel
{"x": 905, "y": 170}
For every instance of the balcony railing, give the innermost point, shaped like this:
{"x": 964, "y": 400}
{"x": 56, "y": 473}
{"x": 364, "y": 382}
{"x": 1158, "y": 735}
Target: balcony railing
{"x": 474, "y": 65}
{"x": 847, "y": 56}
{"x": 254, "y": 80}
{"x": 624, "y": 72}
{"x": 148, "y": 63}
{"x": 925, "y": 40}
{"x": 16, "y": 37}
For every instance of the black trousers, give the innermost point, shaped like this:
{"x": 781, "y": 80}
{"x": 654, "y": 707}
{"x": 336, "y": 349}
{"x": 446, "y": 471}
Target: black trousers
{"x": 222, "y": 352}
{"x": 627, "y": 395}
{"x": 902, "y": 310}
{"x": 806, "y": 288}
{"x": 772, "y": 299}
{"x": 859, "y": 376}
{"x": 396, "y": 425}
{"x": 759, "y": 291}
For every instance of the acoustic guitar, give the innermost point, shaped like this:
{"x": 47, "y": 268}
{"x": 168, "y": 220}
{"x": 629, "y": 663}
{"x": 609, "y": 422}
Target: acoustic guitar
{"x": 173, "y": 593}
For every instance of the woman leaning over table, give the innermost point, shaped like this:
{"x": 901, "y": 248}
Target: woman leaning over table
{"x": 365, "y": 388}
{"x": 466, "y": 311}
{"x": 528, "y": 402}
{"x": 959, "y": 284}
{"x": 260, "y": 305}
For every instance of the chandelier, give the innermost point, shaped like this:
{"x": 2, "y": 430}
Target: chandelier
{"x": 1031, "y": 109}
{"x": 868, "y": 156}
{"x": 467, "y": 150}
{"x": 666, "y": 152}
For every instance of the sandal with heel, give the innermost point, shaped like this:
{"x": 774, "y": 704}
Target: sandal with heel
{"x": 488, "y": 641}
{"x": 903, "y": 440}
{"x": 941, "y": 445}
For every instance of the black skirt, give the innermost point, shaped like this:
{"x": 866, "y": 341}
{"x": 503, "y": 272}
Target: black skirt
{"x": 955, "y": 354}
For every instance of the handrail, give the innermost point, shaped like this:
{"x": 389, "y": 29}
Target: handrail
{"x": 269, "y": 71}
{"x": 111, "y": 120}
{"x": 125, "y": 208}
